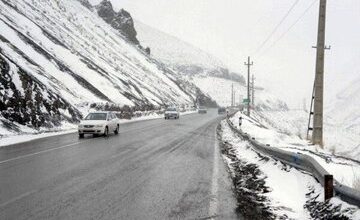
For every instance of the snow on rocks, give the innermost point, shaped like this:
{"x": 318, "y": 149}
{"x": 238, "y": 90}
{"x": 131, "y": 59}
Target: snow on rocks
{"x": 331, "y": 209}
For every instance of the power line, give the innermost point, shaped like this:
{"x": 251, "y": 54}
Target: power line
{"x": 283, "y": 35}
{"x": 277, "y": 27}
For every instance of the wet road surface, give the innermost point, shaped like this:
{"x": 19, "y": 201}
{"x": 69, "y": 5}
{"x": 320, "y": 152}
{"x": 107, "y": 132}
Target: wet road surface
{"x": 157, "y": 169}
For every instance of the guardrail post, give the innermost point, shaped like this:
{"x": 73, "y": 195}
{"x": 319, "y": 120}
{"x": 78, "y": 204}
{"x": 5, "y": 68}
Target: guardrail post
{"x": 328, "y": 187}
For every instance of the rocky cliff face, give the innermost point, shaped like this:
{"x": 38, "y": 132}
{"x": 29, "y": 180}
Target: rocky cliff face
{"x": 121, "y": 21}
{"x": 27, "y": 101}
{"x": 86, "y": 3}
{"x": 196, "y": 70}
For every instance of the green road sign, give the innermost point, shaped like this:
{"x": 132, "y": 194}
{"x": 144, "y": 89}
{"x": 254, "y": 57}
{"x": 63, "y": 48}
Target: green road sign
{"x": 246, "y": 101}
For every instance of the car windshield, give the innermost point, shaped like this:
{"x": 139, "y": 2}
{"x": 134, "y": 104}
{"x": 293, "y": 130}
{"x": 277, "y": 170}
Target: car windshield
{"x": 171, "y": 109}
{"x": 96, "y": 116}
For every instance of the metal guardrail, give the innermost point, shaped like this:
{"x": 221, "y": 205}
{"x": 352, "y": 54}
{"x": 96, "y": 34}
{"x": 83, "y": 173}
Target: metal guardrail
{"x": 303, "y": 162}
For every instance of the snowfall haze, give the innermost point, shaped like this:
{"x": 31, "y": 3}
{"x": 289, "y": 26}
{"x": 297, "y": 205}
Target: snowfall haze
{"x": 183, "y": 134}
{"x": 232, "y": 30}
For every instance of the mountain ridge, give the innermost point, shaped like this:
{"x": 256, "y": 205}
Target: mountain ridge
{"x": 183, "y": 56}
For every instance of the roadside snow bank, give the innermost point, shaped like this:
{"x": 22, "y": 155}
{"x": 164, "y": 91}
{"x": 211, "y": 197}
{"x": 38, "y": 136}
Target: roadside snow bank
{"x": 339, "y": 137}
{"x": 287, "y": 186}
{"x": 290, "y": 193}
{"x": 283, "y": 135}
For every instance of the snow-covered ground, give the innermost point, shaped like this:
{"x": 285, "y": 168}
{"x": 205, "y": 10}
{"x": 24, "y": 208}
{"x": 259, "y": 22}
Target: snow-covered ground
{"x": 344, "y": 107}
{"x": 342, "y": 124}
{"x": 281, "y": 182}
{"x": 278, "y": 129}
{"x": 16, "y": 139}
{"x": 29, "y": 134}
{"x": 289, "y": 188}
{"x": 340, "y": 137}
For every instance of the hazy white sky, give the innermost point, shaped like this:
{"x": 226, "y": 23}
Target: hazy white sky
{"x": 233, "y": 29}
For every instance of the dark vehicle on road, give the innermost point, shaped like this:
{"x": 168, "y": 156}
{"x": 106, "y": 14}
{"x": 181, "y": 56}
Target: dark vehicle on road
{"x": 172, "y": 112}
{"x": 202, "y": 110}
{"x": 221, "y": 110}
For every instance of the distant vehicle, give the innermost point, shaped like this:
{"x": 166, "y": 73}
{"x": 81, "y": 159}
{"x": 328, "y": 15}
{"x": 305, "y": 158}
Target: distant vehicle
{"x": 99, "y": 123}
{"x": 202, "y": 110}
{"x": 172, "y": 112}
{"x": 221, "y": 110}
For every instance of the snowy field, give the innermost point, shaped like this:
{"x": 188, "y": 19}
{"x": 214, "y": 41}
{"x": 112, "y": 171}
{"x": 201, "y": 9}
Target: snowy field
{"x": 285, "y": 130}
{"x": 339, "y": 138}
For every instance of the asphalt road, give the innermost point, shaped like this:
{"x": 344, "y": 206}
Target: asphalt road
{"x": 157, "y": 169}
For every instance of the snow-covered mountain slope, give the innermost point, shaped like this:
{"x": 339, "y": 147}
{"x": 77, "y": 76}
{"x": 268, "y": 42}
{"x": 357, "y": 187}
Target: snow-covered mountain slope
{"x": 342, "y": 122}
{"x": 345, "y": 107}
{"x": 172, "y": 50}
{"x": 182, "y": 56}
{"x": 57, "y": 54}
{"x": 201, "y": 68}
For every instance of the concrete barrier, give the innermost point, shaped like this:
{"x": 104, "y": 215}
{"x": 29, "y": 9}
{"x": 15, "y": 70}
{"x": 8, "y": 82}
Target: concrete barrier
{"x": 303, "y": 162}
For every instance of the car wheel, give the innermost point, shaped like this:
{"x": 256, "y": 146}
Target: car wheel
{"x": 106, "y": 132}
{"x": 117, "y": 130}
{"x": 81, "y": 135}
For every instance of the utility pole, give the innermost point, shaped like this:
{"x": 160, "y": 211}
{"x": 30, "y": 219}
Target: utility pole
{"x": 253, "y": 91}
{"x": 248, "y": 64}
{"x": 232, "y": 94}
{"x": 240, "y": 100}
{"x": 318, "y": 96}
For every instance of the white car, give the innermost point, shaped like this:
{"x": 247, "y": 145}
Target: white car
{"x": 99, "y": 123}
{"x": 172, "y": 112}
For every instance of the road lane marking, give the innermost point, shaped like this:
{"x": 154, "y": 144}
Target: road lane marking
{"x": 213, "y": 206}
{"x": 40, "y": 152}
{"x": 17, "y": 198}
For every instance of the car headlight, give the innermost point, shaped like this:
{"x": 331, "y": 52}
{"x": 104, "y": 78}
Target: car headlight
{"x": 81, "y": 126}
{"x": 99, "y": 126}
